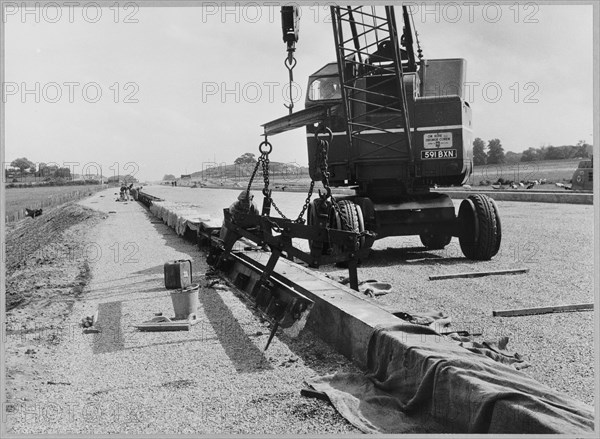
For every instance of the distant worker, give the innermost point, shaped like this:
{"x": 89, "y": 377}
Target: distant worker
{"x": 123, "y": 192}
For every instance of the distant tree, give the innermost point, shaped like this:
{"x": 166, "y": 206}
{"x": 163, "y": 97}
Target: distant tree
{"x": 513, "y": 157}
{"x": 40, "y": 169}
{"x": 62, "y": 173}
{"x": 246, "y": 158}
{"x": 581, "y": 150}
{"x": 555, "y": 153}
{"x": 542, "y": 151}
{"x": 48, "y": 170}
{"x": 530, "y": 155}
{"x": 22, "y": 163}
{"x": 169, "y": 177}
{"x": 479, "y": 156}
{"x": 495, "y": 154}
{"x": 128, "y": 179}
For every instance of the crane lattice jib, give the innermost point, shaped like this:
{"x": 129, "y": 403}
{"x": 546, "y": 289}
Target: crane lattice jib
{"x": 368, "y": 48}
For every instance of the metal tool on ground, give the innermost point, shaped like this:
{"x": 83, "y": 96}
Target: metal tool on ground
{"x": 162, "y": 323}
{"x": 89, "y": 324}
{"x": 185, "y": 307}
{"x": 544, "y": 310}
{"x": 478, "y": 274}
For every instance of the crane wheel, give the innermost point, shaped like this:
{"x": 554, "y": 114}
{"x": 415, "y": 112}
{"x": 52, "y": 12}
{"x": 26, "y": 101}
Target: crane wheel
{"x": 350, "y": 218}
{"x": 480, "y": 228}
{"x": 435, "y": 241}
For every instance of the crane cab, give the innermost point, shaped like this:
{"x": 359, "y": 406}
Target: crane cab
{"x": 440, "y": 125}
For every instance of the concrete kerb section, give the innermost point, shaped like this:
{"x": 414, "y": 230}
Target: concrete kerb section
{"x": 349, "y": 323}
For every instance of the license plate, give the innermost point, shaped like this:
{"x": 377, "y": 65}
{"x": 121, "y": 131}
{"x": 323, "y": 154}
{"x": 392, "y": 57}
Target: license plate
{"x": 439, "y": 154}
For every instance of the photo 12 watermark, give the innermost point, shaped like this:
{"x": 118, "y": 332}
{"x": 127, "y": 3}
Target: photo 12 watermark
{"x": 70, "y": 12}
{"x": 474, "y": 11}
{"x": 252, "y": 92}
{"x": 424, "y": 12}
{"x": 70, "y": 92}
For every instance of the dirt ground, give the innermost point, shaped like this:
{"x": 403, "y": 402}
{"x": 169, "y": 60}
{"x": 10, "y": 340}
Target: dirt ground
{"x": 61, "y": 381}
{"x": 46, "y": 271}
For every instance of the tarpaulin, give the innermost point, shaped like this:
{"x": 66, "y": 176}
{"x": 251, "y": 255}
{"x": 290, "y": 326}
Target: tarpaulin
{"x": 421, "y": 382}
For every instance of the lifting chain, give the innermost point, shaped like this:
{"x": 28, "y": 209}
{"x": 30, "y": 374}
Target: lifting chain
{"x": 263, "y": 161}
{"x": 323, "y": 150}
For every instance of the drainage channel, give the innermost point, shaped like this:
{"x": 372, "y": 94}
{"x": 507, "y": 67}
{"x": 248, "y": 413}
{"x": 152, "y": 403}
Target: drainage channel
{"x": 337, "y": 315}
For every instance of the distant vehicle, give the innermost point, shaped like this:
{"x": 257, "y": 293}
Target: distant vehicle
{"x": 583, "y": 177}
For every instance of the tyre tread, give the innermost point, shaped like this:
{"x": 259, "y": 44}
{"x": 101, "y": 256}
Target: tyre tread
{"x": 486, "y": 241}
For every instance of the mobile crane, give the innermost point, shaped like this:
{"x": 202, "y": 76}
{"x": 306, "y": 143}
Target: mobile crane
{"x": 394, "y": 127}
{"x": 380, "y": 122}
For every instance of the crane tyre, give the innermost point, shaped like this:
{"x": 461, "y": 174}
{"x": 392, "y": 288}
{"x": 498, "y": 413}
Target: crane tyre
{"x": 350, "y": 219}
{"x": 480, "y": 233}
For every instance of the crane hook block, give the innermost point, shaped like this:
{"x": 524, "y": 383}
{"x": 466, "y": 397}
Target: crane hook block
{"x": 290, "y": 23}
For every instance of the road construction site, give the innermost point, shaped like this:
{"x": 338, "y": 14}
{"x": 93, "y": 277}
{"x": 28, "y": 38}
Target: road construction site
{"x": 389, "y": 308}
{"x": 217, "y": 378}
{"x": 552, "y": 241}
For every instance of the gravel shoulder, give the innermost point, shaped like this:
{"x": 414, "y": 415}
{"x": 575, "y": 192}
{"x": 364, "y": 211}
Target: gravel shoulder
{"x": 555, "y": 242}
{"x": 213, "y": 379}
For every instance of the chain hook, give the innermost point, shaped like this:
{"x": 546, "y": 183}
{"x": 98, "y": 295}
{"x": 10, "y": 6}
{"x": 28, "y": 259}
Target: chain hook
{"x": 290, "y": 62}
{"x": 322, "y": 129}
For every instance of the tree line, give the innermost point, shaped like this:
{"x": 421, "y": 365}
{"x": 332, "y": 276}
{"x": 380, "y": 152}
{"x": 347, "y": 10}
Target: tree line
{"x": 23, "y": 166}
{"x": 493, "y": 153}
{"x": 23, "y": 170}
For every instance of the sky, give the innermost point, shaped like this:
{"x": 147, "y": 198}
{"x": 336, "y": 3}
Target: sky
{"x": 170, "y": 90}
